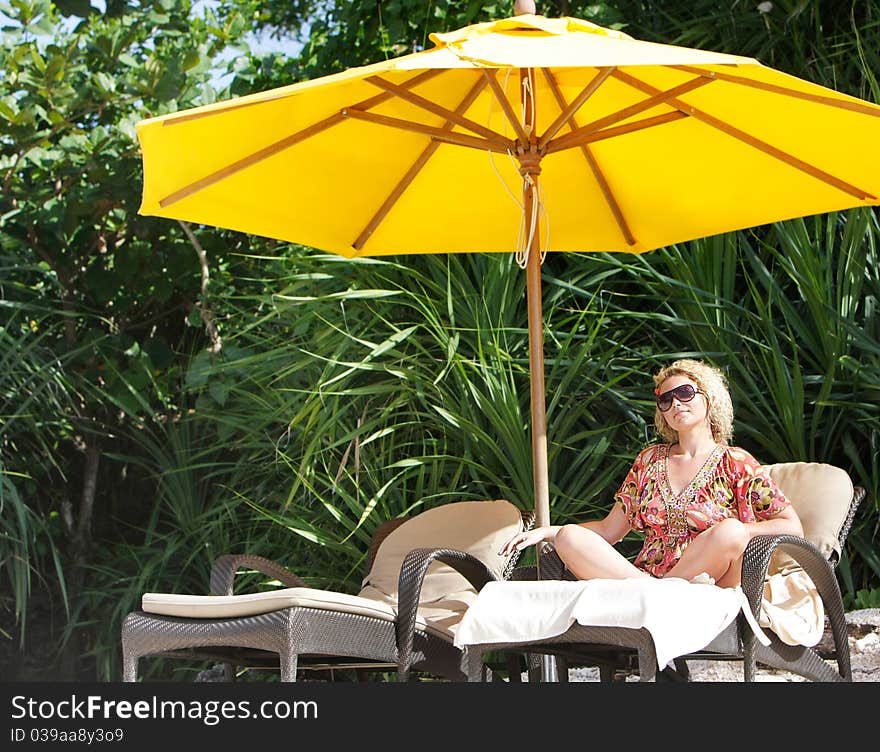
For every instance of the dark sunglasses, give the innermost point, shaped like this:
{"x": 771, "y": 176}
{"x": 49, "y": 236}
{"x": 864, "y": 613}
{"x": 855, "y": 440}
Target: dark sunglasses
{"x": 683, "y": 393}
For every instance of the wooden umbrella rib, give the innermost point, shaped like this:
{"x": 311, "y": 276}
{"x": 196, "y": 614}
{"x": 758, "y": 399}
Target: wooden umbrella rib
{"x": 752, "y": 141}
{"x": 251, "y": 159}
{"x": 462, "y": 139}
{"x": 638, "y": 125}
{"x": 434, "y": 108}
{"x": 609, "y": 197}
{"x": 278, "y": 146}
{"x": 659, "y": 97}
{"x": 859, "y": 107}
{"x": 365, "y": 104}
{"x": 395, "y": 194}
{"x": 575, "y": 138}
{"x": 569, "y": 110}
{"x": 413, "y": 171}
{"x": 789, "y": 159}
{"x": 409, "y": 84}
{"x": 186, "y": 118}
{"x": 586, "y": 135}
{"x": 502, "y": 99}
{"x": 616, "y": 211}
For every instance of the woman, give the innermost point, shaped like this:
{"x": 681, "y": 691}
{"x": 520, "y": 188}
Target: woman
{"x": 698, "y": 500}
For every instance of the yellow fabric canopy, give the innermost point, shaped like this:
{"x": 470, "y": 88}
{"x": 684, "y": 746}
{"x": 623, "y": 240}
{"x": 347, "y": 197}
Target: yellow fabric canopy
{"x": 715, "y": 142}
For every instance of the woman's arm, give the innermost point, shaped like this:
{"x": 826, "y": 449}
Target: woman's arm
{"x": 529, "y": 538}
{"x": 785, "y": 522}
{"x": 612, "y": 528}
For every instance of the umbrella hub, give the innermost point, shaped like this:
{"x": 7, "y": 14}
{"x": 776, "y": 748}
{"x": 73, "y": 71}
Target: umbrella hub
{"x": 529, "y": 161}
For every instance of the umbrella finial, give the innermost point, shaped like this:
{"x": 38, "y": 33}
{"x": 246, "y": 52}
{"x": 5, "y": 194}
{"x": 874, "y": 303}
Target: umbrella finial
{"x": 522, "y": 7}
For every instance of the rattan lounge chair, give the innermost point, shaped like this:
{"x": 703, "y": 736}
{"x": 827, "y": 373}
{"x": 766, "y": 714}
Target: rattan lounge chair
{"x": 826, "y": 502}
{"x": 297, "y": 627}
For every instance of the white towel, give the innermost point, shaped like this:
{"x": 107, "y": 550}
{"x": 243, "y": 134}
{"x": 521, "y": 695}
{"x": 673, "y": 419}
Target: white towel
{"x": 792, "y": 608}
{"x": 681, "y": 616}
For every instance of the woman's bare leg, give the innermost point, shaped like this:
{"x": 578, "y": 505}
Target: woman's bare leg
{"x": 589, "y": 556}
{"x": 718, "y": 551}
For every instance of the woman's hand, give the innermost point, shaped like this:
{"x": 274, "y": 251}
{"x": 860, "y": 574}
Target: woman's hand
{"x": 526, "y": 538}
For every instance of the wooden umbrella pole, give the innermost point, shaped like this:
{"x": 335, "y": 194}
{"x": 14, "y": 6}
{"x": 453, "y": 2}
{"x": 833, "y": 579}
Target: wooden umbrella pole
{"x": 536, "y": 370}
{"x": 530, "y": 168}
{"x": 536, "y": 380}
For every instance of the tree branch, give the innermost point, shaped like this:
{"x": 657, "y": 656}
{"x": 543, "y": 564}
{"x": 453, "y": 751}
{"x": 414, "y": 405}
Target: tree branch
{"x": 204, "y": 311}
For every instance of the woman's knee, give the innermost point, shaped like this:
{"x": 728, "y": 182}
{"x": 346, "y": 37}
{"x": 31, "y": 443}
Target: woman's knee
{"x": 561, "y": 540}
{"x": 573, "y": 538}
{"x": 572, "y": 548}
{"x": 565, "y": 537}
{"x": 730, "y": 534}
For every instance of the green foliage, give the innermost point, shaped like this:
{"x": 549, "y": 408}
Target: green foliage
{"x": 864, "y": 599}
{"x": 352, "y": 32}
{"x": 26, "y": 538}
{"x": 824, "y": 41}
{"x": 35, "y": 403}
{"x": 94, "y": 321}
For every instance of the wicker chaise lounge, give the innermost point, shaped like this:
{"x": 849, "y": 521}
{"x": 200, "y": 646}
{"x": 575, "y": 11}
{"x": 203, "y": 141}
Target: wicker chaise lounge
{"x": 826, "y": 502}
{"x": 297, "y": 626}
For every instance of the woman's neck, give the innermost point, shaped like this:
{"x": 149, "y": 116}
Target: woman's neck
{"x": 695, "y": 443}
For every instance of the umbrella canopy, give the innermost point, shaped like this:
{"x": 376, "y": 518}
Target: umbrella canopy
{"x": 526, "y": 134}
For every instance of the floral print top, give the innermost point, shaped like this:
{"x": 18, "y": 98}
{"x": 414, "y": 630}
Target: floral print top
{"x": 731, "y": 483}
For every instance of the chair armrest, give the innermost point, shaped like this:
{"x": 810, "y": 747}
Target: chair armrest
{"x": 551, "y": 567}
{"x": 225, "y": 567}
{"x": 756, "y": 559}
{"x": 527, "y": 573}
{"x": 412, "y": 575}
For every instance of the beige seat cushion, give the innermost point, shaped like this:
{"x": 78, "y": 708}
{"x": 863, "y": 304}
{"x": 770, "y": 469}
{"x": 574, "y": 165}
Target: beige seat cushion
{"x": 251, "y": 604}
{"x": 477, "y": 527}
{"x": 821, "y": 494}
{"x": 440, "y": 618}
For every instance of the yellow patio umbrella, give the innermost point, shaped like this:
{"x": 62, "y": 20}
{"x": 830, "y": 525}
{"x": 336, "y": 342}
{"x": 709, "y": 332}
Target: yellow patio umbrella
{"x": 526, "y": 135}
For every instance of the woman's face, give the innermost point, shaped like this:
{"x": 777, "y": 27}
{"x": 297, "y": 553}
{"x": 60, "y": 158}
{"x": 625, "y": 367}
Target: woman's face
{"x": 682, "y": 415}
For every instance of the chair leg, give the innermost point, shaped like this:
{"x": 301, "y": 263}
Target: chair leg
{"x": 748, "y": 648}
{"x": 514, "y": 669}
{"x": 534, "y": 670}
{"x": 472, "y": 664}
{"x": 288, "y": 660}
{"x": 561, "y": 670}
{"x": 647, "y": 667}
{"x": 684, "y": 671}
{"x": 678, "y": 672}
{"x": 129, "y": 666}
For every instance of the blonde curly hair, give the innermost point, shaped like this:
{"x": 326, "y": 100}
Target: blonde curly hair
{"x": 712, "y": 383}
